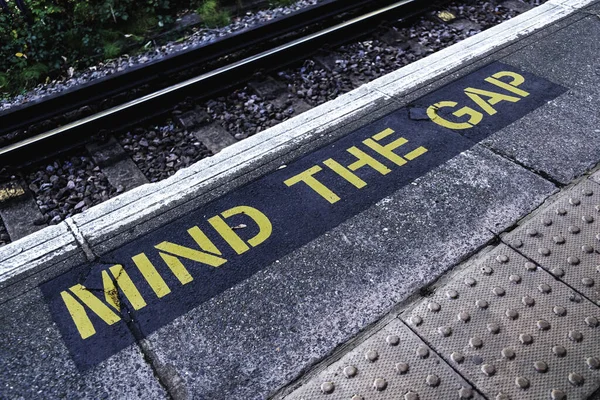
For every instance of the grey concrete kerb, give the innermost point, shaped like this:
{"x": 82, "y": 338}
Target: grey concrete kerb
{"x": 120, "y": 214}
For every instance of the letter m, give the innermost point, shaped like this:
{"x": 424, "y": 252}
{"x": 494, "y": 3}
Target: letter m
{"x": 121, "y": 283}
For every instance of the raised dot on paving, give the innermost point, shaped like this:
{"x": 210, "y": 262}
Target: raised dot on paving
{"x": 433, "y": 380}
{"x": 525, "y": 338}
{"x": 350, "y": 371}
{"x": 422, "y": 352}
{"x": 465, "y": 393}
{"x": 392, "y": 340}
{"x": 587, "y": 281}
{"x": 514, "y": 278}
{"x": 445, "y": 331}
{"x": 512, "y": 314}
{"x": 498, "y": 291}
{"x": 544, "y": 251}
{"x": 592, "y": 322}
{"x": 560, "y": 311}
{"x": 488, "y": 369}
{"x": 575, "y": 336}
{"x": 521, "y": 345}
{"x": 371, "y": 355}
{"x": 559, "y": 351}
{"x": 457, "y": 357}
{"x": 470, "y": 282}
{"x": 522, "y": 382}
{"x": 411, "y": 396}
{"x": 407, "y": 370}
{"x": 327, "y": 387}
{"x": 593, "y": 362}
{"x": 485, "y": 270}
{"x": 576, "y": 379}
{"x": 529, "y": 266}
{"x": 540, "y": 366}
{"x": 543, "y": 325}
{"x": 493, "y": 328}
{"x": 402, "y": 367}
{"x": 464, "y": 316}
{"x": 475, "y": 342}
{"x": 528, "y": 301}
{"x": 482, "y": 304}
{"x": 557, "y": 394}
{"x": 508, "y": 353}
{"x": 379, "y": 384}
{"x": 502, "y": 258}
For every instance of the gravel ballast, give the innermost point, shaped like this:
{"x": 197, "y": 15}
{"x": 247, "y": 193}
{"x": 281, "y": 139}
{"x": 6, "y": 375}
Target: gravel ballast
{"x": 67, "y": 186}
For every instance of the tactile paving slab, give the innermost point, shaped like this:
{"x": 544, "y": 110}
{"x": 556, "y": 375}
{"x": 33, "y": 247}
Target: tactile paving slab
{"x": 392, "y": 364}
{"x": 565, "y": 239}
{"x": 513, "y": 330}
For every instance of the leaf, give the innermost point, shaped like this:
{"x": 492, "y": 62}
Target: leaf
{"x": 20, "y": 55}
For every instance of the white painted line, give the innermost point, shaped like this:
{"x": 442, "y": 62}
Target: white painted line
{"x": 119, "y": 214}
{"x": 35, "y": 252}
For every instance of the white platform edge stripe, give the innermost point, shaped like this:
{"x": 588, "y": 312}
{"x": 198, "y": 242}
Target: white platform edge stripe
{"x": 105, "y": 222}
{"x": 139, "y": 204}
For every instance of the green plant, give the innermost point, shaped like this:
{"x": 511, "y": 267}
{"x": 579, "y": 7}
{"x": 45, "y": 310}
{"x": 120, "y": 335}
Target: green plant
{"x": 3, "y": 81}
{"x": 111, "y": 50}
{"x": 212, "y": 15}
{"x": 74, "y": 33}
{"x": 34, "y": 73}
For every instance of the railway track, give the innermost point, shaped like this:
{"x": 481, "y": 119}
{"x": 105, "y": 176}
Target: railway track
{"x": 150, "y": 137}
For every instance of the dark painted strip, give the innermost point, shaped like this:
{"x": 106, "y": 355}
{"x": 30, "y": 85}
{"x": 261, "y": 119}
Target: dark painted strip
{"x": 296, "y": 211}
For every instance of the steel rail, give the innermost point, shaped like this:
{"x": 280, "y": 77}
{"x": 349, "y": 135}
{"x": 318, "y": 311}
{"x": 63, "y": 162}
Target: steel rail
{"x": 87, "y": 121}
{"x": 158, "y": 72}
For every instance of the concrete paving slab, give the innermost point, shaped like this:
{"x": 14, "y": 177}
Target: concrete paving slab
{"x": 35, "y": 364}
{"x": 568, "y": 57}
{"x": 563, "y": 239}
{"x": 511, "y": 329}
{"x": 560, "y": 140}
{"x": 264, "y": 332}
{"x": 392, "y": 364}
{"x": 594, "y": 8}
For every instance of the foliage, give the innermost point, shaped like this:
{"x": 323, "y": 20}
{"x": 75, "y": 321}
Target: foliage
{"x": 111, "y": 50}
{"x": 58, "y": 34}
{"x": 211, "y": 14}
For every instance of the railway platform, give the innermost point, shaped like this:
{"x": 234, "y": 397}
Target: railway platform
{"x": 433, "y": 234}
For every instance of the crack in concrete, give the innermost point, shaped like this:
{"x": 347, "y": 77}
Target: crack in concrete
{"x": 167, "y": 377}
{"x": 540, "y": 173}
{"x": 87, "y": 250}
